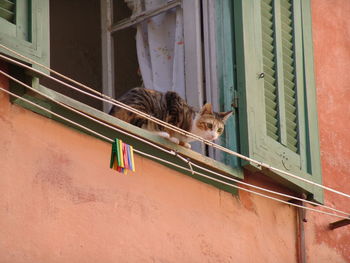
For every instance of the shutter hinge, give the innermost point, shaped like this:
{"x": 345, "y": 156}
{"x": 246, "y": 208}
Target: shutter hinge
{"x": 234, "y": 103}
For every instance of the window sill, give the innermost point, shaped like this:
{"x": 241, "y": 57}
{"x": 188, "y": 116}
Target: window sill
{"x": 195, "y": 157}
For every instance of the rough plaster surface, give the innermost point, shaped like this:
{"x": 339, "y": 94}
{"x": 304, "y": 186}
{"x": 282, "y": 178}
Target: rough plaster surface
{"x": 331, "y": 37}
{"x": 59, "y": 201}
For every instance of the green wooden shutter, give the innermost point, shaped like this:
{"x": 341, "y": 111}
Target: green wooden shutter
{"x": 226, "y": 76}
{"x": 8, "y": 10}
{"x": 276, "y": 99}
{"x": 24, "y": 27}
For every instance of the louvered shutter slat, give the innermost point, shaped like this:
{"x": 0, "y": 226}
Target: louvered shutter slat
{"x": 7, "y": 4}
{"x": 286, "y": 26}
{"x": 289, "y": 75}
{"x": 288, "y": 67}
{"x": 269, "y": 63}
{"x": 270, "y": 100}
{"x": 279, "y": 107}
{"x": 7, "y": 10}
{"x": 290, "y": 104}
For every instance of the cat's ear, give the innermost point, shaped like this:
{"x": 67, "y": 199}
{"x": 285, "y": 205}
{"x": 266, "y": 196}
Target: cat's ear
{"x": 207, "y": 109}
{"x": 225, "y": 115}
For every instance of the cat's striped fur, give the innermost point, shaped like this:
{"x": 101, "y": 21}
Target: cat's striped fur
{"x": 171, "y": 108}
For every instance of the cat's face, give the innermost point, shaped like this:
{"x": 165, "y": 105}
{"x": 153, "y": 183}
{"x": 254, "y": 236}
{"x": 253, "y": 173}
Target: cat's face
{"x": 208, "y": 124}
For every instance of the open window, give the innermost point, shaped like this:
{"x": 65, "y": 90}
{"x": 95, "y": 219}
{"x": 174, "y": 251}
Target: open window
{"x": 84, "y": 46}
{"x": 161, "y": 45}
{"x": 251, "y": 56}
{"x": 145, "y": 45}
{"x": 114, "y": 46}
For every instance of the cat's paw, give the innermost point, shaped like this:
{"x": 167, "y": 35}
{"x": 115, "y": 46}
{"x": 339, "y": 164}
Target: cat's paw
{"x": 174, "y": 140}
{"x": 164, "y": 134}
{"x": 186, "y": 145}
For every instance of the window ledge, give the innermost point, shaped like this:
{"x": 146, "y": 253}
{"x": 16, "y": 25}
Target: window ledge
{"x": 195, "y": 157}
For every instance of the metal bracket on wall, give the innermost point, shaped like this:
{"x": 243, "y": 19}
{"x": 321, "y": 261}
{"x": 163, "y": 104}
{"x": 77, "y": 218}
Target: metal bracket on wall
{"x": 301, "y": 211}
{"x": 234, "y": 103}
{"x": 339, "y": 223}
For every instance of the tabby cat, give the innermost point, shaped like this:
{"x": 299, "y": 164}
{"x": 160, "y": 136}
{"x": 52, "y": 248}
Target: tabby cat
{"x": 171, "y": 108}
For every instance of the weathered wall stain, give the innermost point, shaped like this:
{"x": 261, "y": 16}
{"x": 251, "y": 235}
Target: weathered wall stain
{"x": 54, "y": 173}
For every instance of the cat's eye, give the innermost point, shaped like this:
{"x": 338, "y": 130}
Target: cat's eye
{"x": 220, "y": 130}
{"x": 209, "y": 125}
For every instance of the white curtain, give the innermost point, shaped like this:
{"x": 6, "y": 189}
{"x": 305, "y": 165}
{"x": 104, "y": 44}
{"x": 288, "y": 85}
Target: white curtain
{"x": 160, "y": 47}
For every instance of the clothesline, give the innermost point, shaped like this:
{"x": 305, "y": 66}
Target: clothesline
{"x": 173, "y": 153}
{"x": 108, "y": 99}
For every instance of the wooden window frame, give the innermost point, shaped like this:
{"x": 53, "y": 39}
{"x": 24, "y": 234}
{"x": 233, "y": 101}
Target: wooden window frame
{"x": 29, "y": 34}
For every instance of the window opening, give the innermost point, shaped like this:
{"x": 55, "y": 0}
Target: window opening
{"x": 169, "y": 42}
{"x": 98, "y": 46}
{"x": 157, "y": 42}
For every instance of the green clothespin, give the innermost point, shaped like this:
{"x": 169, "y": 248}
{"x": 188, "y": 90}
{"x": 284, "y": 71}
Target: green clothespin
{"x": 113, "y": 154}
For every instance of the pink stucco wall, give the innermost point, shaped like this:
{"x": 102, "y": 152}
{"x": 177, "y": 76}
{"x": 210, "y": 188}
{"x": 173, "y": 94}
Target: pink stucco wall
{"x": 60, "y": 202}
{"x": 331, "y": 34}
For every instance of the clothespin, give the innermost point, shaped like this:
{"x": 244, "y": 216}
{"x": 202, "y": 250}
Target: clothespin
{"x": 122, "y": 158}
{"x": 113, "y": 153}
{"x": 120, "y": 155}
{"x": 132, "y": 158}
{"x": 125, "y": 157}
